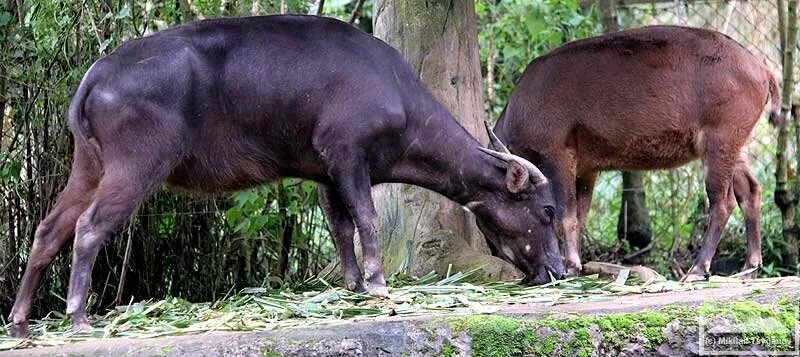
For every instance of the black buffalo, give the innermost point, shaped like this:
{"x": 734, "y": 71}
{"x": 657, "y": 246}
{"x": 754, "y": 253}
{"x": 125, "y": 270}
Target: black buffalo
{"x": 227, "y": 104}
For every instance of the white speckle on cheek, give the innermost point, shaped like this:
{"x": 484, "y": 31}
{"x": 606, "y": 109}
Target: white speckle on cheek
{"x": 527, "y": 247}
{"x": 508, "y": 253}
{"x": 529, "y": 231}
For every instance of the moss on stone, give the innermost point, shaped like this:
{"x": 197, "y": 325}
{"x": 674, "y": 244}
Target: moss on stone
{"x": 495, "y": 335}
{"x": 506, "y": 336}
{"x": 750, "y": 313}
{"x": 448, "y": 350}
{"x": 548, "y": 345}
{"x": 269, "y": 353}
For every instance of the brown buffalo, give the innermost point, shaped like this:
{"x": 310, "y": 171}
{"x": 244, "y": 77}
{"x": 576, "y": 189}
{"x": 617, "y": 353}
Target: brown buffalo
{"x": 649, "y": 98}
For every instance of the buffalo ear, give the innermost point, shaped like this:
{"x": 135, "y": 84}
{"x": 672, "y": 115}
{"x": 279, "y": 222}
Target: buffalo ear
{"x": 517, "y": 177}
{"x": 533, "y": 173}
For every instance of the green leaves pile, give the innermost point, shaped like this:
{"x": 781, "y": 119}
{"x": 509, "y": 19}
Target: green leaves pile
{"x": 319, "y": 303}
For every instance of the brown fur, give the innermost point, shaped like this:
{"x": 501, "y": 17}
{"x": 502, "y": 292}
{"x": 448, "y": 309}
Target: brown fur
{"x": 649, "y": 98}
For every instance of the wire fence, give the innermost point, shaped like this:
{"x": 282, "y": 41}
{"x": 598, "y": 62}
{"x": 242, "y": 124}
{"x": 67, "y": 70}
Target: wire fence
{"x": 676, "y": 199}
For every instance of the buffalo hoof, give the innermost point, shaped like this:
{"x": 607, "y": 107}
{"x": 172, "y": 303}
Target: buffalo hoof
{"x": 356, "y": 287}
{"x": 572, "y": 272}
{"x": 80, "y": 323}
{"x": 378, "y": 290}
{"x": 695, "y": 273}
{"x": 81, "y": 326}
{"x": 748, "y": 273}
{"x": 688, "y": 278}
{"x": 19, "y": 330}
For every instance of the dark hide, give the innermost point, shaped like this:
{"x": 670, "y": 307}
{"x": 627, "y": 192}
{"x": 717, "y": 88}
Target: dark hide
{"x": 222, "y": 105}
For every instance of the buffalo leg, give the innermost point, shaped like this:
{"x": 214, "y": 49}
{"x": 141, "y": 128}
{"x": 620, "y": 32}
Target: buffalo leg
{"x": 115, "y": 201}
{"x": 342, "y": 230}
{"x": 51, "y": 235}
{"x": 351, "y": 179}
{"x": 561, "y": 170}
{"x": 134, "y": 170}
{"x": 719, "y": 172}
{"x": 748, "y": 195}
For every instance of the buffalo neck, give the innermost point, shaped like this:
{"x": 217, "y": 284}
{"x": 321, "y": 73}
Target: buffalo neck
{"x": 442, "y": 156}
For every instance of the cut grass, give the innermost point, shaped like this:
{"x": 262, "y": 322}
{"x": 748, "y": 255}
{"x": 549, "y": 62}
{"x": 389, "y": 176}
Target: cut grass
{"x": 317, "y": 302}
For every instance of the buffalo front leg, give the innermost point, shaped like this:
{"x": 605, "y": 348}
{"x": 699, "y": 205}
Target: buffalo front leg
{"x": 352, "y": 182}
{"x": 342, "y": 229}
{"x": 572, "y": 236}
{"x": 561, "y": 168}
{"x": 748, "y": 195}
{"x": 51, "y": 235}
{"x": 719, "y": 172}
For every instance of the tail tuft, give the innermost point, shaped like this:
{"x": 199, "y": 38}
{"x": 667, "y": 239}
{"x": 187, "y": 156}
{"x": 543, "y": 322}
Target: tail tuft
{"x": 775, "y": 117}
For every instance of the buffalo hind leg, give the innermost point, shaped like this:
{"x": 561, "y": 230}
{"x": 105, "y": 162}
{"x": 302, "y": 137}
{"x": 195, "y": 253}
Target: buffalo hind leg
{"x": 51, "y": 235}
{"x": 125, "y": 183}
{"x": 342, "y": 230}
{"x": 748, "y": 195}
{"x": 719, "y": 173}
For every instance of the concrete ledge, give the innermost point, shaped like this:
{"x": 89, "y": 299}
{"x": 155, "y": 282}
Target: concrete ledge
{"x": 649, "y": 324}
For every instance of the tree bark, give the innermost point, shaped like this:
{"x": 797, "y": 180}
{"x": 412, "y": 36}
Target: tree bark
{"x": 785, "y": 197}
{"x": 634, "y": 220}
{"x": 420, "y": 230}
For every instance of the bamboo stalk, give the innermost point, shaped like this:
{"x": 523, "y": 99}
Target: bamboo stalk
{"x": 356, "y": 12}
{"x": 320, "y": 7}
{"x": 785, "y": 198}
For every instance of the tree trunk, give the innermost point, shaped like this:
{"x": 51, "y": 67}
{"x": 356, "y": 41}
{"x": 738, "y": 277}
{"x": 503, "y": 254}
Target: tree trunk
{"x": 634, "y": 220}
{"x": 420, "y": 230}
{"x": 785, "y": 197}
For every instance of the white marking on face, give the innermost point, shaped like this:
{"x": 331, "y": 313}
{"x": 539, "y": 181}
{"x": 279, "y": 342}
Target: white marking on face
{"x": 527, "y": 247}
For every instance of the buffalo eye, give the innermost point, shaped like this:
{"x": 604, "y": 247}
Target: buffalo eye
{"x": 550, "y": 212}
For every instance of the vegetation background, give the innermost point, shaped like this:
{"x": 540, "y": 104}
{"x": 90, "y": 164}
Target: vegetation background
{"x": 200, "y": 248}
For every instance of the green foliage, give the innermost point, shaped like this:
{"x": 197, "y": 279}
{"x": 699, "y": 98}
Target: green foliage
{"x": 264, "y": 212}
{"x": 517, "y": 31}
{"x": 343, "y": 10}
